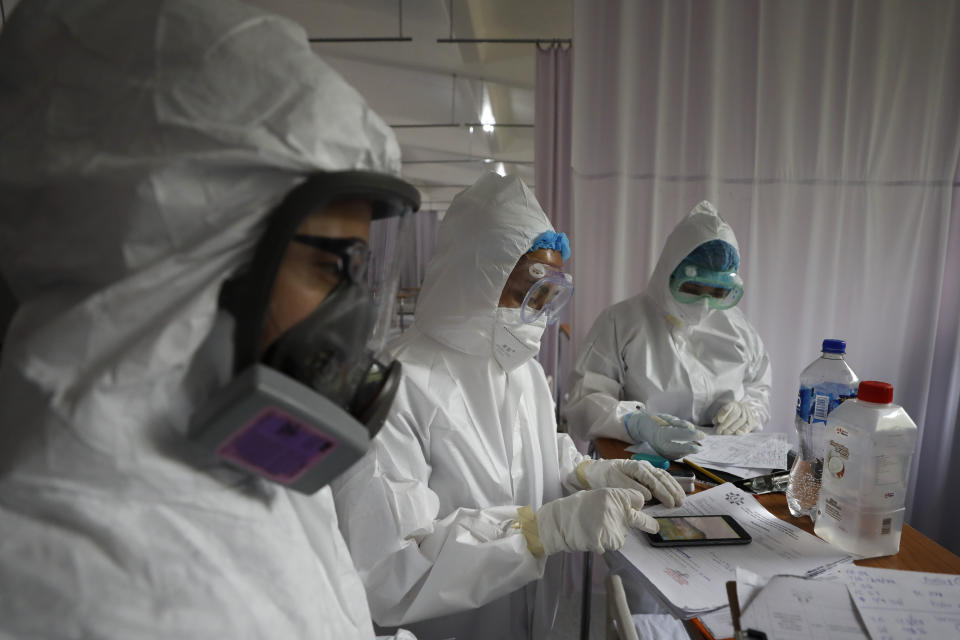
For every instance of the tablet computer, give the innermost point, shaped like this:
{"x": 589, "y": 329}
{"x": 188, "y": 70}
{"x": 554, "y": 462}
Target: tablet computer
{"x": 676, "y": 531}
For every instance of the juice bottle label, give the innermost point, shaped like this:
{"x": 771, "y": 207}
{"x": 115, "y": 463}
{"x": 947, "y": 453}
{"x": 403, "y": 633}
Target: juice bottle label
{"x": 814, "y": 403}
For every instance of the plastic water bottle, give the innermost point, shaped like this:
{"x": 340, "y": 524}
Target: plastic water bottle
{"x": 824, "y": 384}
{"x": 869, "y": 444}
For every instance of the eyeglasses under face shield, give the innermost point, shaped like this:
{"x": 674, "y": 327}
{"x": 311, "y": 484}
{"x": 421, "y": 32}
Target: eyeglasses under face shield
{"x": 721, "y": 289}
{"x": 549, "y": 290}
{"x": 352, "y": 255}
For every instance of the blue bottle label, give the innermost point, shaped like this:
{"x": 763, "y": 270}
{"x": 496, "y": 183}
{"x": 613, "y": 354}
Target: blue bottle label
{"x": 815, "y": 403}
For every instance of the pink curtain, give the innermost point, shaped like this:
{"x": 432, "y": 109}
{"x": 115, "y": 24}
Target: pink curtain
{"x": 553, "y": 100}
{"x": 828, "y": 136}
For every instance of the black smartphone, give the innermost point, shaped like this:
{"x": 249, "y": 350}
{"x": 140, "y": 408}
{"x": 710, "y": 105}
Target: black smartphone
{"x": 679, "y": 531}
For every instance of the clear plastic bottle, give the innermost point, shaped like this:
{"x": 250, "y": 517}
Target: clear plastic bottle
{"x": 869, "y": 445}
{"x": 824, "y": 384}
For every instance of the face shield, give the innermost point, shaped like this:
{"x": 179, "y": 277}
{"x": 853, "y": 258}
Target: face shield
{"x": 690, "y": 283}
{"x": 542, "y": 289}
{"x": 304, "y": 406}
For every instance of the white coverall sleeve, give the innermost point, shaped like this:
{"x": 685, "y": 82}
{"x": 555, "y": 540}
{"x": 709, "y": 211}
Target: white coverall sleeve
{"x": 415, "y": 564}
{"x": 569, "y": 458}
{"x": 757, "y": 380}
{"x": 595, "y": 408}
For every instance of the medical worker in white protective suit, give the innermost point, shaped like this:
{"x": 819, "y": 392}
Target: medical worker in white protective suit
{"x": 452, "y": 514}
{"x": 678, "y": 355}
{"x": 152, "y": 152}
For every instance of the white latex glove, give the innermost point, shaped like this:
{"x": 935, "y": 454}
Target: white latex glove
{"x": 669, "y": 436}
{"x": 595, "y": 520}
{"x": 631, "y": 474}
{"x": 735, "y": 419}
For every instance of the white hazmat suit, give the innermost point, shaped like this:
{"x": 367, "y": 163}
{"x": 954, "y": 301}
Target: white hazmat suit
{"x": 428, "y": 513}
{"x": 652, "y": 353}
{"x": 144, "y": 144}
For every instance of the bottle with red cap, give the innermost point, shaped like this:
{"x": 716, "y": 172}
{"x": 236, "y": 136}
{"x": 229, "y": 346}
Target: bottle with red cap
{"x": 869, "y": 444}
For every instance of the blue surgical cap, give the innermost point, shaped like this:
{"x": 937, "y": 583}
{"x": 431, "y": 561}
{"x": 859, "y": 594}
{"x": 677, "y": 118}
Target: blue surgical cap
{"x": 552, "y": 240}
{"x": 715, "y": 255}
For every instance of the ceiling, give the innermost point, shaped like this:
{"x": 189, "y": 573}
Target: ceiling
{"x": 423, "y": 82}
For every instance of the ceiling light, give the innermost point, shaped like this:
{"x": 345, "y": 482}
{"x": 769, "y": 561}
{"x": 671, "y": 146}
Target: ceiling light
{"x": 486, "y": 113}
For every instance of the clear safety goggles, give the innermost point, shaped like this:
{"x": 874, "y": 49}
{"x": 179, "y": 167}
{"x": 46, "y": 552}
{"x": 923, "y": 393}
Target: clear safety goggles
{"x": 721, "y": 289}
{"x": 548, "y": 294}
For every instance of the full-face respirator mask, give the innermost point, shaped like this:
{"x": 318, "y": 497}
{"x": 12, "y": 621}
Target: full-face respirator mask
{"x": 304, "y": 410}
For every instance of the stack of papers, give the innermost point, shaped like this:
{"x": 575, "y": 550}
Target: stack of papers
{"x": 848, "y": 603}
{"x": 747, "y": 456}
{"x": 690, "y": 580}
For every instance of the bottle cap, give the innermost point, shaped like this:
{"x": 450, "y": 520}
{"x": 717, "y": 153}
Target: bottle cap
{"x": 832, "y": 345}
{"x": 875, "y": 391}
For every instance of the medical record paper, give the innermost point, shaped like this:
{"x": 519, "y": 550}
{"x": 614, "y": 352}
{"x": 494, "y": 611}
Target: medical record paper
{"x": 691, "y": 579}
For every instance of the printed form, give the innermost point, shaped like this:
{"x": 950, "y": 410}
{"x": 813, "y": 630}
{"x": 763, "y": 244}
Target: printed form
{"x": 691, "y": 579}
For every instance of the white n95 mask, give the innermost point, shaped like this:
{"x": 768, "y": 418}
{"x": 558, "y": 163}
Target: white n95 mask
{"x": 515, "y": 341}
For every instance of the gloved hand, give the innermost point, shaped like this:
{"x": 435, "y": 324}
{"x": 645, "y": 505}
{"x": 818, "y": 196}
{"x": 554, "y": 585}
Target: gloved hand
{"x": 595, "y": 520}
{"x": 631, "y": 474}
{"x": 669, "y": 436}
{"x": 735, "y": 419}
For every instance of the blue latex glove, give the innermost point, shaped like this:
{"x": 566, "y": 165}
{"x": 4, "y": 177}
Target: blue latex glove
{"x": 669, "y": 436}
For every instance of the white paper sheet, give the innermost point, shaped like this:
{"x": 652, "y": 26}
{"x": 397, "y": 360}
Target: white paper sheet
{"x": 659, "y": 626}
{"x": 794, "y": 608}
{"x": 720, "y": 622}
{"x": 753, "y": 450}
{"x": 741, "y": 472}
{"x": 838, "y": 619}
{"x": 905, "y": 604}
{"x": 692, "y": 579}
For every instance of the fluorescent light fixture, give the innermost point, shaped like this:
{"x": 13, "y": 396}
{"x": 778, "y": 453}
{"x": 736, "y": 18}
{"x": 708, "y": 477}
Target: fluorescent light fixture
{"x": 487, "y": 160}
{"x": 487, "y": 120}
{"x": 501, "y": 169}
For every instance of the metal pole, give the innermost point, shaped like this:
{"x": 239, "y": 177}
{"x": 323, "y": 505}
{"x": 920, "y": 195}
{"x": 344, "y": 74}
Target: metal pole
{"x": 400, "y": 18}
{"x": 587, "y": 575}
{"x": 505, "y": 40}
{"x": 458, "y": 125}
{"x": 362, "y": 39}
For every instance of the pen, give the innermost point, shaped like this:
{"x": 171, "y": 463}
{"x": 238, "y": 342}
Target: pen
{"x": 738, "y": 633}
{"x": 697, "y": 467}
{"x": 734, "y": 607}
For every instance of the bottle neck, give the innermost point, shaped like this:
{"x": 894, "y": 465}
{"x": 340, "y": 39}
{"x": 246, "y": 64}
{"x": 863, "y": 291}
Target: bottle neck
{"x": 831, "y": 356}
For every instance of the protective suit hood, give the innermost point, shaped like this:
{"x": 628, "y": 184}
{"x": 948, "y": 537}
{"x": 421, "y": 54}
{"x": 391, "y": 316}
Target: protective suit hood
{"x": 184, "y": 134}
{"x": 143, "y": 146}
{"x": 702, "y": 224}
{"x": 487, "y": 228}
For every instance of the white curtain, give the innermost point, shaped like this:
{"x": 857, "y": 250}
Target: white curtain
{"x": 420, "y": 243}
{"x": 553, "y": 182}
{"x": 828, "y": 136}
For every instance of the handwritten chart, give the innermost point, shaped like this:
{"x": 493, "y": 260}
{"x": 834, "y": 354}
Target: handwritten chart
{"x": 905, "y": 604}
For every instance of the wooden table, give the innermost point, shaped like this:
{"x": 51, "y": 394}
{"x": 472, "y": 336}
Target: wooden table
{"x": 917, "y": 551}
